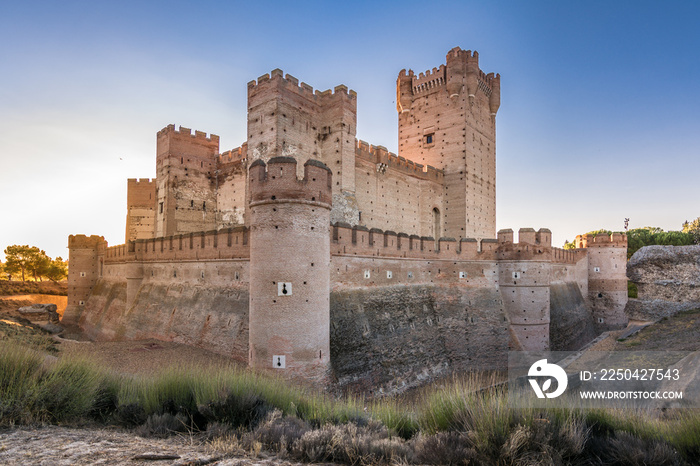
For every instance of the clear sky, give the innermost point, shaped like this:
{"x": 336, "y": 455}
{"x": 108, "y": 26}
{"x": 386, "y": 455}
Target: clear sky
{"x": 599, "y": 108}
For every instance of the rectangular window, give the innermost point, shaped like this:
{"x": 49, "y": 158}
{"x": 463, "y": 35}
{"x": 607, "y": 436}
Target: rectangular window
{"x": 429, "y": 138}
{"x": 161, "y": 207}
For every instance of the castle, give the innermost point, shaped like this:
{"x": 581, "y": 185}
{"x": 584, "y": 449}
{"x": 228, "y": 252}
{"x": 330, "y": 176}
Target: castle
{"x": 309, "y": 252}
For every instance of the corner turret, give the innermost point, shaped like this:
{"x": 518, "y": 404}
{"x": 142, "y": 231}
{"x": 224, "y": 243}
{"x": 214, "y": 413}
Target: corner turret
{"x": 607, "y": 278}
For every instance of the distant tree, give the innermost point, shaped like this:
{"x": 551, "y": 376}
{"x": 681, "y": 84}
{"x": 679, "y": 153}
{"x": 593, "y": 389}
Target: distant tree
{"x": 57, "y": 270}
{"x": 2, "y": 271}
{"x": 693, "y": 228}
{"x": 568, "y": 245}
{"x": 600, "y": 232}
{"x": 32, "y": 261}
{"x": 648, "y": 236}
{"x": 19, "y": 259}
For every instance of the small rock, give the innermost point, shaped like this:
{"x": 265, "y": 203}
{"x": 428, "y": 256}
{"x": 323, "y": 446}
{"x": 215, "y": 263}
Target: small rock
{"x": 52, "y": 328}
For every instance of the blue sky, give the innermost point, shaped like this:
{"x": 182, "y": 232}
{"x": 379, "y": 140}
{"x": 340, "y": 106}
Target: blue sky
{"x": 599, "y": 100}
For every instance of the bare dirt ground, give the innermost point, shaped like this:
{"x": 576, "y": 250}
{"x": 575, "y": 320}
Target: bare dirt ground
{"x": 680, "y": 332}
{"x": 53, "y": 445}
{"x": 144, "y": 357}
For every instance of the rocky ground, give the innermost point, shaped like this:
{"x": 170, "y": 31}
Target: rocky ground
{"x": 53, "y": 445}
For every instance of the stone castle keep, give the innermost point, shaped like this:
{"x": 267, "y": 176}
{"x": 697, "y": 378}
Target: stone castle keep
{"x": 312, "y": 253}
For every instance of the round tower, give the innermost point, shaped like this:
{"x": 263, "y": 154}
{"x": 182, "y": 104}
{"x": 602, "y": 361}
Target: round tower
{"x": 525, "y": 273}
{"x": 607, "y": 278}
{"x": 290, "y": 268}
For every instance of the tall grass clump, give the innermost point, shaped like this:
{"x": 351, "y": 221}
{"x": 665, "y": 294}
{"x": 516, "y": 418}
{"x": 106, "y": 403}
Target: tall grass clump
{"x": 70, "y": 390}
{"x": 18, "y": 383}
{"x": 33, "y": 390}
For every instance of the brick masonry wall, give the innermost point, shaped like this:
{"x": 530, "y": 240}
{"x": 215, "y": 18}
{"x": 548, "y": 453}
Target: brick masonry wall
{"x": 186, "y": 181}
{"x": 195, "y": 303}
{"x": 140, "y": 210}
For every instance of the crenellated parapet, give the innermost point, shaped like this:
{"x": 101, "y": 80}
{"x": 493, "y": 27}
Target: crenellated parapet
{"x": 237, "y": 155}
{"x": 226, "y": 243}
{"x": 615, "y": 240}
{"x": 184, "y": 147}
{"x": 568, "y": 256}
{"x": 95, "y": 242}
{"x": 463, "y": 66}
{"x": 360, "y": 241}
{"x": 428, "y": 80}
{"x": 383, "y": 159}
{"x": 531, "y": 245}
{"x": 186, "y": 134}
{"x": 277, "y": 181}
{"x": 290, "y": 84}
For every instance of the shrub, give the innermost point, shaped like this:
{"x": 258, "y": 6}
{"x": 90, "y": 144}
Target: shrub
{"x": 245, "y": 410}
{"x": 444, "y": 448}
{"x": 163, "y": 425}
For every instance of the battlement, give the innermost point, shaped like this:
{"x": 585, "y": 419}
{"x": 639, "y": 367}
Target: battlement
{"x": 374, "y": 242}
{"x": 141, "y": 192}
{"x": 380, "y": 155}
{"x": 227, "y": 243}
{"x": 277, "y": 181}
{"x": 541, "y": 237}
{"x": 140, "y": 181}
{"x": 601, "y": 241}
{"x": 183, "y": 133}
{"x": 567, "y": 256}
{"x": 468, "y": 54}
{"x": 86, "y": 242}
{"x": 291, "y": 84}
{"x": 429, "y": 79}
{"x": 239, "y": 154}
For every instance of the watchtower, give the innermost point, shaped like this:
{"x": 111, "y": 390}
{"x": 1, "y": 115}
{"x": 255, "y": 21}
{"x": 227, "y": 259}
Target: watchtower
{"x": 290, "y": 267}
{"x": 85, "y": 256}
{"x": 607, "y": 278}
{"x": 447, "y": 120}
{"x": 289, "y": 119}
{"x": 186, "y": 181}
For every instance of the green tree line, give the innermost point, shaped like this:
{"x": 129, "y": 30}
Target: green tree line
{"x": 31, "y": 263}
{"x": 648, "y": 236}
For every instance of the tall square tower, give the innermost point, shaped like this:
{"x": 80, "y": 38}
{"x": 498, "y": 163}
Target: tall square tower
{"x": 447, "y": 120}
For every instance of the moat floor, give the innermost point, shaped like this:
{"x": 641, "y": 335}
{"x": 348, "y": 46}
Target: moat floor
{"x": 144, "y": 356}
{"x": 53, "y": 445}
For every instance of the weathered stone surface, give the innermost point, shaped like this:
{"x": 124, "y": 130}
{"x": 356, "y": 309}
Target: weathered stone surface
{"x": 212, "y": 318}
{"x": 41, "y": 310}
{"x": 396, "y": 337}
{"x": 52, "y": 328}
{"x": 668, "y": 281}
{"x": 571, "y": 323}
